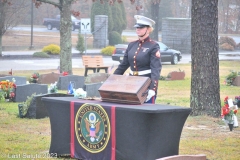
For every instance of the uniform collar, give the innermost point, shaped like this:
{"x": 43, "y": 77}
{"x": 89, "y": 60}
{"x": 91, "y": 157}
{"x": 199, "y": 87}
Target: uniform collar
{"x": 146, "y": 39}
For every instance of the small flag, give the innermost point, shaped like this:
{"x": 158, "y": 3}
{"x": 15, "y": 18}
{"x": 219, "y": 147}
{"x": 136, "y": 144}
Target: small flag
{"x": 11, "y": 72}
{"x": 70, "y": 88}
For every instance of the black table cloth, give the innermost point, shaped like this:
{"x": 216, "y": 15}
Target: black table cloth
{"x": 142, "y": 132}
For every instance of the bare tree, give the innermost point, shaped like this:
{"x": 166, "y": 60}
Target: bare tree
{"x": 152, "y": 12}
{"x": 65, "y": 29}
{"x": 155, "y": 16}
{"x": 205, "y": 87}
{"x": 11, "y": 13}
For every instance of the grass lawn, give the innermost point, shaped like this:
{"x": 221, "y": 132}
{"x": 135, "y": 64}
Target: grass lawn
{"x": 200, "y": 135}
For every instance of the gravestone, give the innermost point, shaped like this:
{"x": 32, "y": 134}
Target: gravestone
{"x": 37, "y": 108}
{"x": 96, "y": 77}
{"x": 64, "y": 81}
{"x": 19, "y": 80}
{"x": 23, "y": 91}
{"x": 92, "y": 89}
{"x": 236, "y": 81}
{"x": 4, "y": 75}
{"x": 175, "y": 75}
{"x": 48, "y": 78}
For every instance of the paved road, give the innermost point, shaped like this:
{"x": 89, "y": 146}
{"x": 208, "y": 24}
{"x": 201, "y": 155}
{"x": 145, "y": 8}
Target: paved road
{"x": 42, "y": 64}
{"x": 125, "y": 32}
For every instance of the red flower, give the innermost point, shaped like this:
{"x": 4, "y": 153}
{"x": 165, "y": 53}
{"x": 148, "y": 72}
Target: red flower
{"x": 34, "y": 76}
{"x": 12, "y": 94}
{"x": 235, "y": 111}
{"x": 225, "y": 110}
{"x": 65, "y": 73}
{"x": 226, "y": 98}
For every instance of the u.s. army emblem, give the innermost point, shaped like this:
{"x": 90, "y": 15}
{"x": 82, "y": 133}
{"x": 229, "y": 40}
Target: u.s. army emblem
{"x": 92, "y": 127}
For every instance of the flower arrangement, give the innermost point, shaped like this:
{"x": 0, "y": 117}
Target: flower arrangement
{"x": 34, "y": 77}
{"x": 53, "y": 88}
{"x": 228, "y": 112}
{"x": 7, "y": 89}
{"x": 80, "y": 93}
{"x": 237, "y": 100}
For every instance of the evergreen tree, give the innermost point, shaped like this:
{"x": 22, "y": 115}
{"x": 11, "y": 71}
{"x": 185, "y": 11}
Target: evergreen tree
{"x": 97, "y": 9}
{"x": 124, "y": 17}
{"x": 101, "y": 9}
{"x": 116, "y": 15}
{"x": 80, "y": 44}
{"x": 117, "y": 18}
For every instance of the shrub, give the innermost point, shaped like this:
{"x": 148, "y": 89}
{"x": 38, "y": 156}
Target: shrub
{"x": 227, "y": 40}
{"x": 162, "y": 78}
{"x": 41, "y": 55}
{"x": 51, "y": 49}
{"x": 226, "y": 46}
{"x": 231, "y": 76}
{"x": 108, "y": 50}
{"x": 80, "y": 44}
{"x": 114, "y": 38}
{"x": 26, "y": 105}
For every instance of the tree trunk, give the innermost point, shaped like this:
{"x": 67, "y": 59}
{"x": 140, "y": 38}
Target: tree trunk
{"x": 0, "y": 45}
{"x": 205, "y": 87}
{"x": 2, "y": 21}
{"x": 155, "y": 17}
{"x": 65, "y": 37}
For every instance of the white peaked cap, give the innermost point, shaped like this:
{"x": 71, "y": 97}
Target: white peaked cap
{"x": 142, "y": 21}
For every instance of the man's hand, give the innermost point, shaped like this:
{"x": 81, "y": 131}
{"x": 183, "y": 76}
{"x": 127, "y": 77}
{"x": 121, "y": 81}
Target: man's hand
{"x": 151, "y": 93}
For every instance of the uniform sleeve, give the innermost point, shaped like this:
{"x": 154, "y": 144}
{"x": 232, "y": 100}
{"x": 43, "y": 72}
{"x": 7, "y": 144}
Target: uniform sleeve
{"x": 122, "y": 67}
{"x": 156, "y": 67}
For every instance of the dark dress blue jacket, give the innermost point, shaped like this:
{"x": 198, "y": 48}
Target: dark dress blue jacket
{"x": 141, "y": 55}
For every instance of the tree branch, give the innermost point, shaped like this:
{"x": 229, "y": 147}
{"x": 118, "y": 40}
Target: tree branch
{"x": 51, "y": 2}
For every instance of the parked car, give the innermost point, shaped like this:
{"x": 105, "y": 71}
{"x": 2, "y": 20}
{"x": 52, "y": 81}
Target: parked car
{"x": 167, "y": 54}
{"x": 51, "y": 23}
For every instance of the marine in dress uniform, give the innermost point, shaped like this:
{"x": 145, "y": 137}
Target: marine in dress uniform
{"x": 143, "y": 56}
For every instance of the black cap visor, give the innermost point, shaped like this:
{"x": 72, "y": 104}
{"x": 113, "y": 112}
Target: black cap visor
{"x": 138, "y": 25}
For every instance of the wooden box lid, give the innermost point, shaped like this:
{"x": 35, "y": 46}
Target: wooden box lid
{"x": 125, "y": 89}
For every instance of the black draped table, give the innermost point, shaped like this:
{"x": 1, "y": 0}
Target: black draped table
{"x": 92, "y": 129}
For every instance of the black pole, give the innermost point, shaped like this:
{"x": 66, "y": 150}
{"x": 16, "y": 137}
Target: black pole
{"x": 31, "y": 46}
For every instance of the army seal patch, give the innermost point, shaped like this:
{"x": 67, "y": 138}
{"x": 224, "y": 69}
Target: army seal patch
{"x": 92, "y": 127}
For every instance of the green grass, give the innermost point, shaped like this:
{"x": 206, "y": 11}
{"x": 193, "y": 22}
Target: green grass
{"x": 200, "y": 135}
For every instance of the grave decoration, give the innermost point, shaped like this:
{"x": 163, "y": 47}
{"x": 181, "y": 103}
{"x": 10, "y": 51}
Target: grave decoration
{"x": 80, "y": 93}
{"x": 64, "y": 73}
{"x": 229, "y": 111}
{"x": 7, "y": 89}
{"x": 34, "y": 77}
{"x": 237, "y": 101}
{"x": 53, "y": 88}
{"x": 23, "y": 107}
